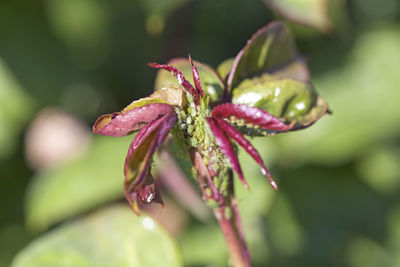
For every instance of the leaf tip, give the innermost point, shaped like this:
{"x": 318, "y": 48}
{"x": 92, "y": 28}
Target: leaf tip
{"x": 274, "y": 185}
{"x": 152, "y": 64}
{"x": 134, "y": 206}
{"x": 101, "y": 123}
{"x": 246, "y": 185}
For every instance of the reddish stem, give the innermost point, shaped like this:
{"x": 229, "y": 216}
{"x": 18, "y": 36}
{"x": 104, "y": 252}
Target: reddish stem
{"x": 236, "y": 244}
{"x": 229, "y": 221}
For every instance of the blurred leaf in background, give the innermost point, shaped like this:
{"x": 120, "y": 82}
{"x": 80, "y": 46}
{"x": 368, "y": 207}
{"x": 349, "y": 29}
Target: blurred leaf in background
{"x": 15, "y": 110}
{"x": 57, "y": 194}
{"x": 309, "y": 12}
{"x": 113, "y": 237}
{"x": 82, "y": 25}
{"x": 157, "y": 13}
{"x": 326, "y": 16}
{"x": 363, "y": 95}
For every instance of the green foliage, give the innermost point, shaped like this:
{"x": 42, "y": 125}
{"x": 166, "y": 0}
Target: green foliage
{"x": 271, "y": 49}
{"x": 311, "y": 13}
{"x": 202, "y": 245}
{"x": 364, "y": 100}
{"x": 268, "y": 73}
{"x": 113, "y": 237}
{"x": 15, "y": 108}
{"x": 69, "y": 190}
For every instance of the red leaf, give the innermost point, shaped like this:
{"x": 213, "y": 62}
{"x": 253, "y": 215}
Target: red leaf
{"x": 129, "y": 120}
{"x": 138, "y": 159}
{"x": 196, "y": 77}
{"x": 253, "y": 115}
{"x": 180, "y": 77}
{"x": 233, "y": 133}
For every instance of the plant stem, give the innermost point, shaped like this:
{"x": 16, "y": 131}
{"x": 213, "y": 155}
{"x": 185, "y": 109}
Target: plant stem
{"x": 234, "y": 238}
{"x": 226, "y": 213}
{"x": 231, "y": 227}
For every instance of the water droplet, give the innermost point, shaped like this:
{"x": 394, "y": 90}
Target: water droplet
{"x": 274, "y": 185}
{"x": 277, "y": 91}
{"x": 180, "y": 80}
{"x": 263, "y": 171}
{"x": 150, "y": 197}
{"x": 300, "y": 106}
{"x": 147, "y": 193}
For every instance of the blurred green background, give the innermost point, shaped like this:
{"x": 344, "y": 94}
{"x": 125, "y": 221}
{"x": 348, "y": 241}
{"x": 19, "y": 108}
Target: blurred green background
{"x": 65, "y": 62}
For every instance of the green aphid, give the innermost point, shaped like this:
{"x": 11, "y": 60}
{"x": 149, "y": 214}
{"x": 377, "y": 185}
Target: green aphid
{"x": 190, "y": 129}
{"x": 240, "y": 122}
{"x": 228, "y": 213}
{"x": 194, "y": 142}
{"x": 212, "y": 203}
{"x": 194, "y": 172}
{"x": 208, "y": 191}
{"x": 216, "y": 167}
{"x": 205, "y": 159}
{"x": 224, "y": 186}
{"x": 217, "y": 182}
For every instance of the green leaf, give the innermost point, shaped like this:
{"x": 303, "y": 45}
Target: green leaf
{"x": 255, "y": 206}
{"x": 175, "y": 96}
{"x": 287, "y": 99}
{"x": 271, "y": 49}
{"x": 288, "y": 236}
{"x": 157, "y": 13}
{"x": 308, "y": 12}
{"x": 204, "y": 245}
{"x": 60, "y": 193}
{"x": 323, "y": 15}
{"x": 225, "y": 67}
{"x": 79, "y": 23}
{"x": 211, "y": 82}
{"x": 381, "y": 170}
{"x": 15, "y": 109}
{"x": 162, "y": 8}
{"x": 364, "y": 99}
{"x": 111, "y": 237}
